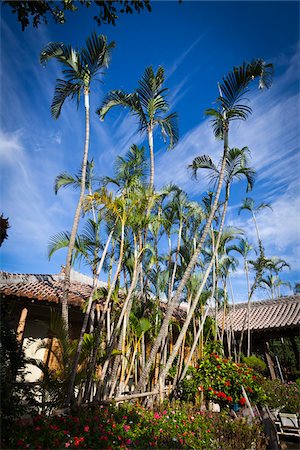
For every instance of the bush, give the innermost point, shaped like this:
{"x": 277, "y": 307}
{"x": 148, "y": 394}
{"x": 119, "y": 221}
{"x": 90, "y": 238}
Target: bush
{"x": 17, "y": 397}
{"x": 282, "y": 396}
{"x": 128, "y": 426}
{"x": 255, "y": 363}
{"x": 220, "y": 380}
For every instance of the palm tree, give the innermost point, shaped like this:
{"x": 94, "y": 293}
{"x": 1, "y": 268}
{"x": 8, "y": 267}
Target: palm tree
{"x": 249, "y": 205}
{"x": 272, "y": 283}
{"x": 80, "y": 67}
{"x": 236, "y": 166}
{"x": 232, "y": 91}
{"x": 244, "y": 248}
{"x": 149, "y": 105}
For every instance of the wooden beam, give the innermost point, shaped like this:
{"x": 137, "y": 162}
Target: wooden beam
{"x": 21, "y": 325}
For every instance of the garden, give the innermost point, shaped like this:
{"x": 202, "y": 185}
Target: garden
{"x": 152, "y": 361}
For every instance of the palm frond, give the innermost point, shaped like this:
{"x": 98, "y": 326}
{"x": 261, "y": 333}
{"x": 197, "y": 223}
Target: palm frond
{"x": 65, "y": 179}
{"x": 169, "y": 128}
{"x": 203, "y": 162}
{"x": 63, "y": 90}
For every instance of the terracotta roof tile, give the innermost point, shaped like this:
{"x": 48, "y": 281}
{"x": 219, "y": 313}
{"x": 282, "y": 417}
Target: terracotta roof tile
{"x": 47, "y": 288}
{"x": 264, "y": 315}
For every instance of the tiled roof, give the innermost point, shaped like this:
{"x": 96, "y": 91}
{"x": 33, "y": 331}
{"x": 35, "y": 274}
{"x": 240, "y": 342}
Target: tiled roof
{"x": 47, "y": 288}
{"x": 282, "y": 312}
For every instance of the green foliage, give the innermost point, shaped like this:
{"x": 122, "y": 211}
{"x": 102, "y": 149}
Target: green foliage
{"x": 282, "y": 396}
{"x": 42, "y": 10}
{"x": 16, "y": 395}
{"x": 171, "y": 427}
{"x": 4, "y": 225}
{"x": 220, "y": 380}
{"x": 256, "y": 363}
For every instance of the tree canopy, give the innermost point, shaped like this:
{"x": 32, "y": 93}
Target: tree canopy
{"x": 39, "y": 11}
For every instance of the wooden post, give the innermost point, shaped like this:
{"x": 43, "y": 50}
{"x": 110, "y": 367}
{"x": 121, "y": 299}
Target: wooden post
{"x": 21, "y": 325}
{"x": 269, "y": 360}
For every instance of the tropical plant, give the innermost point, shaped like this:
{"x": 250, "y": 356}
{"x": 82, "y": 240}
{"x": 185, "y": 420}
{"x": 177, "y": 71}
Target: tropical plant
{"x": 249, "y": 205}
{"x": 230, "y": 107}
{"x": 108, "y": 11}
{"x": 80, "y": 67}
{"x": 148, "y": 104}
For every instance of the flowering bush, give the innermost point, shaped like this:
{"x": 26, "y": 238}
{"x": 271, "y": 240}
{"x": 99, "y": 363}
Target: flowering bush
{"x": 282, "y": 396}
{"x": 131, "y": 426}
{"x": 221, "y": 381}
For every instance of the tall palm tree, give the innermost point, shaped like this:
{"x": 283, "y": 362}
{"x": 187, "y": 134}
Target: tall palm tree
{"x": 244, "y": 248}
{"x": 80, "y": 67}
{"x": 149, "y": 105}
{"x": 236, "y": 165}
{"x": 230, "y": 107}
{"x": 249, "y": 205}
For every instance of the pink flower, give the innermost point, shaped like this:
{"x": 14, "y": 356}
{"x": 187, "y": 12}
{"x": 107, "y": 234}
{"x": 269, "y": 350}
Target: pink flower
{"x": 157, "y": 416}
{"x": 164, "y": 412}
{"x": 86, "y": 429}
{"x": 126, "y": 428}
{"x": 67, "y": 444}
{"x": 128, "y": 441}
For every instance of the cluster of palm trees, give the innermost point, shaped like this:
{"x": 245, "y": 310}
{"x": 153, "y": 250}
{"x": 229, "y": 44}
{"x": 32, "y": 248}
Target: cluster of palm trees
{"x": 157, "y": 247}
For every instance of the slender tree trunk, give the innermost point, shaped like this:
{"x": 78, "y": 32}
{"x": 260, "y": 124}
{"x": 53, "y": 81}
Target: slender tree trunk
{"x": 66, "y": 287}
{"x": 183, "y": 331}
{"x": 248, "y": 310}
{"x": 175, "y": 301}
{"x": 200, "y": 329}
{"x": 85, "y": 321}
{"x": 176, "y": 258}
{"x": 123, "y": 316}
{"x": 151, "y": 150}
{"x": 101, "y": 322}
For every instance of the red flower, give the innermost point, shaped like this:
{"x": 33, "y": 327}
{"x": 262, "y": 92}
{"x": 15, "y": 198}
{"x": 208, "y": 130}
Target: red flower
{"x": 210, "y": 388}
{"x": 218, "y": 367}
{"x": 86, "y": 429}
{"x": 128, "y": 441}
{"x": 229, "y": 398}
{"x": 77, "y": 441}
{"x": 242, "y": 401}
{"x": 227, "y": 383}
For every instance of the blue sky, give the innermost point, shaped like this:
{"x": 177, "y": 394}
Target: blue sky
{"x": 197, "y": 43}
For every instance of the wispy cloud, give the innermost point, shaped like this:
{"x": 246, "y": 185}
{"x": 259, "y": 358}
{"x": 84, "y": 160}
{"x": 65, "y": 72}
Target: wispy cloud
{"x": 172, "y": 69}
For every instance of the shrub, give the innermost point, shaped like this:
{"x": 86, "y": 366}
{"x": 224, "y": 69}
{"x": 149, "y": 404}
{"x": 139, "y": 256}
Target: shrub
{"x": 255, "y": 363}
{"x": 221, "y": 380}
{"x": 129, "y": 426}
{"x": 282, "y": 396}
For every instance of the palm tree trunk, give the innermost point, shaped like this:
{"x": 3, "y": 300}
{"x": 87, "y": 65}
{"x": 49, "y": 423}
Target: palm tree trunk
{"x": 123, "y": 316}
{"x": 200, "y": 329}
{"x": 176, "y": 258}
{"x": 85, "y": 321}
{"x": 196, "y": 299}
{"x": 172, "y": 305}
{"x": 66, "y": 287}
{"x": 101, "y": 322}
{"x": 248, "y": 310}
{"x": 151, "y": 150}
